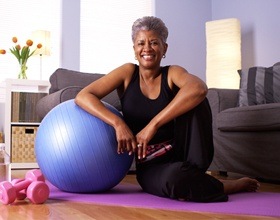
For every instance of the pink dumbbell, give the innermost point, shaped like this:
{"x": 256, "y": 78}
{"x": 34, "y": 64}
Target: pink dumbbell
{"x": 37, "y": 190}
{"x": 21, "y": 195}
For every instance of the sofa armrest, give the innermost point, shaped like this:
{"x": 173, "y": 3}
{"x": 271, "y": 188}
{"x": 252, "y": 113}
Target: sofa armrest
{"x": 48, "y": 102}
{"x": 221, "y": 99}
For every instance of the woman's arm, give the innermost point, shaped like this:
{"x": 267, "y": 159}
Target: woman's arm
{"x": 89, "y": 99}
{"x": 192, "y": 91}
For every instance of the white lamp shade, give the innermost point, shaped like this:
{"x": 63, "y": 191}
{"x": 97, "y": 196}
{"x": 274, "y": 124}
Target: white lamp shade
{"x": 223, "y": 44}
{"x": 43, "y": 37}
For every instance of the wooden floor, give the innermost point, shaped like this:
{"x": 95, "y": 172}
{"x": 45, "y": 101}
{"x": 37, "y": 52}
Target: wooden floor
{"x": 24, "y": 210}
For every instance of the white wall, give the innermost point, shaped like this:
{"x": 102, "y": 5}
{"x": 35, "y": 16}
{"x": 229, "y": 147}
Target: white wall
{"x": 70, "y": 34}
{"x": 260, "y": 27}
{"x": 185, "y": 20}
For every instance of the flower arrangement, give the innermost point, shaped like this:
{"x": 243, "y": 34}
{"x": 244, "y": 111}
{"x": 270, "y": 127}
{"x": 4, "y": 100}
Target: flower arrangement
{"x": 22, "y": 54}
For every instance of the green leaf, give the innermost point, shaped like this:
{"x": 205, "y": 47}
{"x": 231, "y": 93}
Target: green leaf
{"x": 24, "y": 54}
{"x": 16, "y": 53}
{"x": 32, "y": 53}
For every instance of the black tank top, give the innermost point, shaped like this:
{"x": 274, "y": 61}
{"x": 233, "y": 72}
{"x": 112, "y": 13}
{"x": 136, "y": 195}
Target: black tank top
{"x": 138, "y": 110}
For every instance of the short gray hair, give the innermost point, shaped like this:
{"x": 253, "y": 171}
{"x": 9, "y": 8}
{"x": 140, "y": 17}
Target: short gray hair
{"x": 150, "y": 23}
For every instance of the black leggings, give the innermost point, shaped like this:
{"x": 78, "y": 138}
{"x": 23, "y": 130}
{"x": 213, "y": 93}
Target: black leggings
{"x": 180, "y": 174}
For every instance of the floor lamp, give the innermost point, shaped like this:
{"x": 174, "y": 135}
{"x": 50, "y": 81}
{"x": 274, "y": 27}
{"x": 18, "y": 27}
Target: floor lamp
{"x": 43, "y": 37}
{"x": 223, "y": 53}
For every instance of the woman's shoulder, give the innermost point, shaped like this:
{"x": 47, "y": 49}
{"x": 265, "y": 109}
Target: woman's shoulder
{"x": 122, "y": 71}
{"x": 177, "y": 75}
{"x": 129, "y": 67}
{"x": 174, "y": 71}
{"x": 177, "y": 69}
{"x": 122, "y": 75}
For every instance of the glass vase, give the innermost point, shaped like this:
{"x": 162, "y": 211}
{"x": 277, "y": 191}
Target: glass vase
{"x": 22, "y": 72}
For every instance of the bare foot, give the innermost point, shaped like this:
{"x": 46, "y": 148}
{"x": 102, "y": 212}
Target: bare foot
{"x": 244, "y": 184}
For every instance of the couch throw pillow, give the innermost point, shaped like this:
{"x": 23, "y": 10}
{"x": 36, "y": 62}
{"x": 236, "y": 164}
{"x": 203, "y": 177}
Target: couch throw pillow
{"x": 259, "y": 85}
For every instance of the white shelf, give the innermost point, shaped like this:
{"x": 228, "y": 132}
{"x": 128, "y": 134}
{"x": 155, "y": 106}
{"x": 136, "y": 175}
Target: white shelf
{"x": 26, "y": 85}
{"x": 24, "y": 166}
{"x": 25, "y": 123}
{"x": 20, "y": 85}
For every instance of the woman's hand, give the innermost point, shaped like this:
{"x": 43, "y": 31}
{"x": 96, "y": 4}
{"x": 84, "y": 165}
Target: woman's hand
{"x": 125, "y": 138}
{"x": 143, "y": 138}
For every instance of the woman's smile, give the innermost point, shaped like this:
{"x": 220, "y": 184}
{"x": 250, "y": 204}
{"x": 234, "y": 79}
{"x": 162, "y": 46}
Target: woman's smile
{"x": 148, "y": 57}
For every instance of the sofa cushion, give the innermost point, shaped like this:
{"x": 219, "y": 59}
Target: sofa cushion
{"x": 67, "y": 83}
{"x": 250, "y": 118}
{"x": 63, "y": 78}
{"x": 259, "y": 85}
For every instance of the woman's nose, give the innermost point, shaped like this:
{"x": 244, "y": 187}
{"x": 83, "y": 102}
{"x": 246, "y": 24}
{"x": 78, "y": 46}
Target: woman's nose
{"x": 147, "y": 46}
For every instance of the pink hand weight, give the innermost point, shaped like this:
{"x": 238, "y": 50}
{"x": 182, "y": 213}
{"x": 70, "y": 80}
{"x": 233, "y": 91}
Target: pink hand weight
{"x": 21, "y": 195}
{"x": 37, "y": 191}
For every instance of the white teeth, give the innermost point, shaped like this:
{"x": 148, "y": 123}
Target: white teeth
{"x": 147, "y": 56}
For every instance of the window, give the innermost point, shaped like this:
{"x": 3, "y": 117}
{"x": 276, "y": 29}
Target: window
{"x": 20, "y": 19}
{"x": 106, "y": 32}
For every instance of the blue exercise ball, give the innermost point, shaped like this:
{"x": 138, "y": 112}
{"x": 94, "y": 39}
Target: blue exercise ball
{"x": 77, "y": 152}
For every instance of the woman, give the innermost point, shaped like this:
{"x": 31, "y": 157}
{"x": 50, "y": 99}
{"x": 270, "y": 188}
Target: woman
{"x": 166, "y": 113}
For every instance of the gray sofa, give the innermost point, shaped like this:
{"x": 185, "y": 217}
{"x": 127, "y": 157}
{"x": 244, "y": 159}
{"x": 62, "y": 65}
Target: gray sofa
{"x": 65, "y": 85}
{"x": 246, "y": 139}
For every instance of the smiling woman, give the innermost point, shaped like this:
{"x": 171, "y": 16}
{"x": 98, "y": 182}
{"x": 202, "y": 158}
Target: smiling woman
{"x": 167, "y": 121}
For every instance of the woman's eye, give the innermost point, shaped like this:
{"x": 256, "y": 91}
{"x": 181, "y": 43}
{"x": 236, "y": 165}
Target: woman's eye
{"x": 154, "y": 43}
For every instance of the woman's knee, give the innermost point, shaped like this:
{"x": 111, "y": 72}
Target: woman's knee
{"x": 194, "y": 185}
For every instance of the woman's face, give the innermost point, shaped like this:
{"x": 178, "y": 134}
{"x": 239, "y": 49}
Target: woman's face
{"x": 149, "y": 49}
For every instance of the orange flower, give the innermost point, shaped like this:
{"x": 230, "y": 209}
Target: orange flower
{"x": 2, "y": 51}
{"x": 14, "y": 39}
{"x": 29, "y": 43}
{"x": 18, "y": 47}
{"x": 39, "y": 46}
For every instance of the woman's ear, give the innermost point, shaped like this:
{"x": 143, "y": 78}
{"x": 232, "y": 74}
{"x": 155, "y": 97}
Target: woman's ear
{"x": 165, "y": 48}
